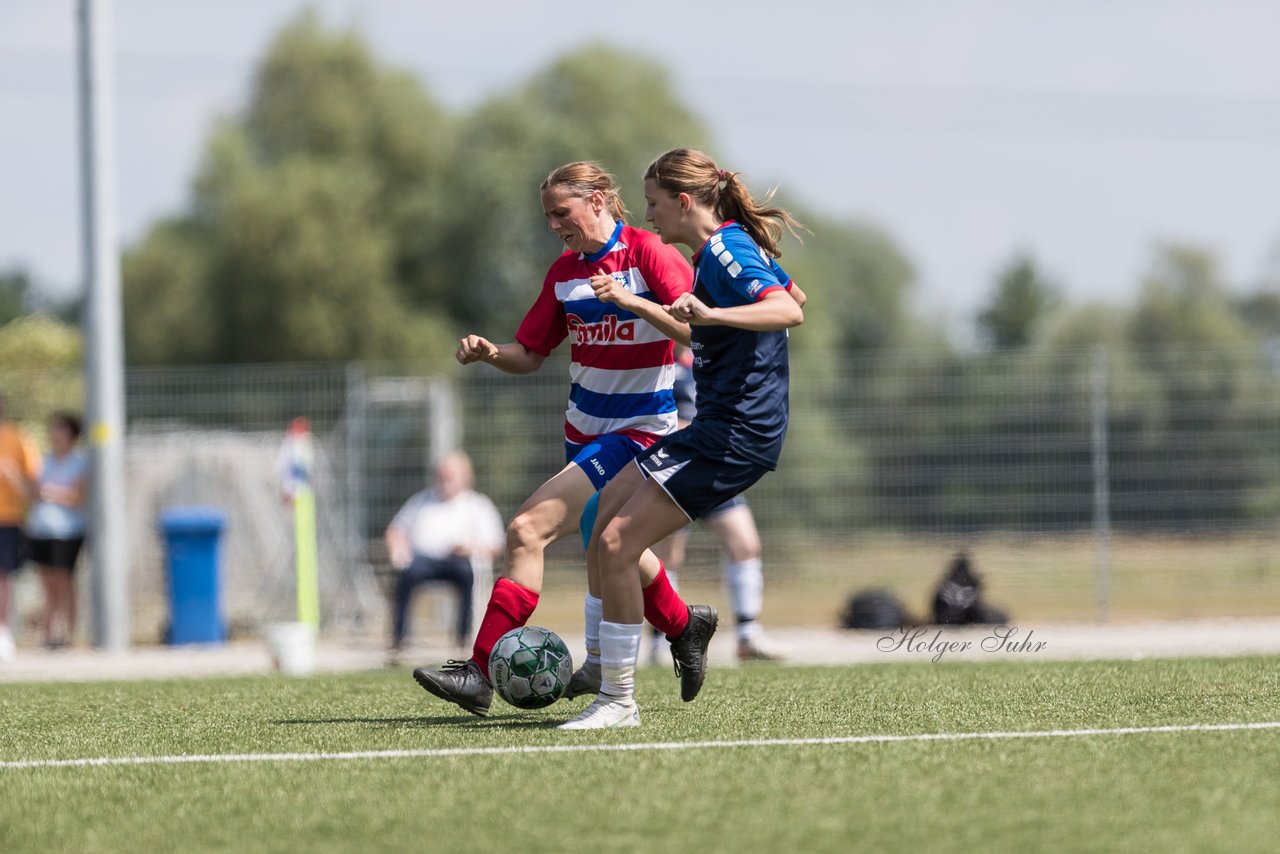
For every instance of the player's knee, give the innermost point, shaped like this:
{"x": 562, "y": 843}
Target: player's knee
{"x": 524, "y": 532}
{"x": 616, "y": 553}
{"x": 744, "y": 550}
{"x": 610, "y": 547}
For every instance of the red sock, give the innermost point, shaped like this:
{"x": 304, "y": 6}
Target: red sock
{"x": 663, "y": 606}
{"x": 510, "y": 607}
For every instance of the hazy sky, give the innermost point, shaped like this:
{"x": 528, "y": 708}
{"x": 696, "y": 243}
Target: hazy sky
{"x": 1083, "y": 130}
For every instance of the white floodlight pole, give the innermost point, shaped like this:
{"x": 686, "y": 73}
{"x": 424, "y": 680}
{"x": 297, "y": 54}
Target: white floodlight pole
{"x": 104, "y": 351}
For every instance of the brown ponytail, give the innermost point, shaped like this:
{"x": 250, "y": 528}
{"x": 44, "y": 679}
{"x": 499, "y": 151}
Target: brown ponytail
{"x": 687, "y": 170}
{"x": 584, "y": 177}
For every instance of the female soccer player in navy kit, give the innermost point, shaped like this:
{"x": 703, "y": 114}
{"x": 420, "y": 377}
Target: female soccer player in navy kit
{"x": 606, "y": 293}
{"x": 739, "y": 312}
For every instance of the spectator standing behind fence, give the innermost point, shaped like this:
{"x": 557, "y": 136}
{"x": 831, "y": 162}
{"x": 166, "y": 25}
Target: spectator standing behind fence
{"x": 19, "y": 467}
{"x": 436, "y": 536}
{"x": 56, "y": 527}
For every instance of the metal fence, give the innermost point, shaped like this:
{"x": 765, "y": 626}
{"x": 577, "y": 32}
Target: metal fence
{"x": 1084, "y": 485}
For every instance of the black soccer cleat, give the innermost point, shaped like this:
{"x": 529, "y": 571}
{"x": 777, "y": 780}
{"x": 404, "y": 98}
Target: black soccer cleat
{"x": 585, "y": 680}
{"x": 689, "y": 651}
{"x": 459, "y": 682}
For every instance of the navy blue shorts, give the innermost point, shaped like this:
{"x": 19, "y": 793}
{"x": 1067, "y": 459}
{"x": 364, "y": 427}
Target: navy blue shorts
{"x": 11, "y": 548}
{"x": 699, "y": 478}
{"x": 602, "y": 457}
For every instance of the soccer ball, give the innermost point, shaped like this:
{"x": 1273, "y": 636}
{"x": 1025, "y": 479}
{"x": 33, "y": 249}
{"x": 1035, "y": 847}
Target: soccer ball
{"x": 530, "y": 667}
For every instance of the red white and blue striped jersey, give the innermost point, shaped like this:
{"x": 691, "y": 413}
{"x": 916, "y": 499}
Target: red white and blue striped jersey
{"x": 621, "y": 367}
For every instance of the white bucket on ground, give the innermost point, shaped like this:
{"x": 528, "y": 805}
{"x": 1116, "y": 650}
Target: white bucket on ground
{"x": 293, "y": 648}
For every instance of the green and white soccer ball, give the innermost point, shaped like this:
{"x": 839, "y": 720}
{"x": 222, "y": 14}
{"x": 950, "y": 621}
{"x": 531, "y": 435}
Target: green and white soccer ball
{"x": 530, "y": 667}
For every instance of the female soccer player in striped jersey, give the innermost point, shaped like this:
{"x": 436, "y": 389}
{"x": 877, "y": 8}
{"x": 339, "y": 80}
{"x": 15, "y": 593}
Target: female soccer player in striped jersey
{"x": 607, "y": 294}
{"x": 739, "y": 312}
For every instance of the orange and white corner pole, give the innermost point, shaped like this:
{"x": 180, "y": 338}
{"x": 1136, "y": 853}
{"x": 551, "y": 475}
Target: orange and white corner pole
{"x": 297, "y": 465}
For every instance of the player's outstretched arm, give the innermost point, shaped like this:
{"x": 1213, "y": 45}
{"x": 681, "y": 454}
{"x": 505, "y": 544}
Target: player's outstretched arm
{"x": 513, "y": 358}
{"x": 775, "y": 310}
{"x": 607, "y": 289}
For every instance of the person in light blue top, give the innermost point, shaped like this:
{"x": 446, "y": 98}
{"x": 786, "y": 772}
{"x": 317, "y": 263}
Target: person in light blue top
{"x": 56, "y": 527}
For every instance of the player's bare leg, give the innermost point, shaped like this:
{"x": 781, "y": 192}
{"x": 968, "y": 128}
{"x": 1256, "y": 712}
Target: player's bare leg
{"x": 663, "y": 606}
{"x": 648, "y": 516}
{"x": 735, "y": 528}
{"x": 549, "y": 514}
{"x": 586, "y": 679}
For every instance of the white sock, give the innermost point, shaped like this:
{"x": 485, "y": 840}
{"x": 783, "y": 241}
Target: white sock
{"x": 593, "y": 613}
{"x": 619, "y": 650}
{"x": 746, "y": 590}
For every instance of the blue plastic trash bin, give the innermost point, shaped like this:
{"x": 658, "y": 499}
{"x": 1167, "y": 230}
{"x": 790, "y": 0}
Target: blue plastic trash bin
{"x": 193, "y": 546}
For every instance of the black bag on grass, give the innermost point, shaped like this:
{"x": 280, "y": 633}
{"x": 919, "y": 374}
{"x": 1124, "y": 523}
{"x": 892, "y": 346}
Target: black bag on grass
{"x": 874, "y": 609}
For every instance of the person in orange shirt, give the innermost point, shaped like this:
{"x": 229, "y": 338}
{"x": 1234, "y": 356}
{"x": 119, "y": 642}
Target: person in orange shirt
{"x": 19, "y": 468}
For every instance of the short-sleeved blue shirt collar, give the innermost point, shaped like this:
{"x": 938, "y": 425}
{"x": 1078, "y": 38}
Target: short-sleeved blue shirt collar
{"x": 609, "y": 244}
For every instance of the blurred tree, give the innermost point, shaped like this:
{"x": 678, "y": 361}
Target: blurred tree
{"x": 38, "y": 341}
{"x": 1200, "y": 360}
{"x": 20, "y": 296}
{"x": 596, "y": 103}
{"x": 1184, "y": 304}
{"x": 313, "y": 221}
{"x": 344, "y": 214}
{"x": 1261, "y": 308}
{"x": 323, "y": 96}
{"x": 170, "y": 310}
{"x": 15, "y": 294}
{"x": 1023, "y": 298}
{"x": 40, "y": 359}
{"x": 859, "y": 280}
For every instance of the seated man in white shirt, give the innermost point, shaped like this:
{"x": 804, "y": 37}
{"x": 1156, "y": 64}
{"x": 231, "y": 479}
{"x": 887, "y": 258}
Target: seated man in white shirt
{"x": 434, "y": 538}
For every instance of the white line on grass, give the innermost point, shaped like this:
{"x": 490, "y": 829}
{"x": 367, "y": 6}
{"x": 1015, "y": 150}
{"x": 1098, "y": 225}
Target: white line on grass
{"x": 616, "y": 748}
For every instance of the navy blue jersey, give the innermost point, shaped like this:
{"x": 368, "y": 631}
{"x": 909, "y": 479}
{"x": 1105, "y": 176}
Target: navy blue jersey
{"x": 742, "y": 376}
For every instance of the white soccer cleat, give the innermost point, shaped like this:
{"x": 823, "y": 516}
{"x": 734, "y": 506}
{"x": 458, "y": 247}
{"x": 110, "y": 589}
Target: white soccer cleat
{"x": 605, "y": 714}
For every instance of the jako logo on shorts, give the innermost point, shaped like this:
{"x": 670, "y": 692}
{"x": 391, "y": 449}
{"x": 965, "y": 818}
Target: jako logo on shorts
{"x": 608, "y": 329}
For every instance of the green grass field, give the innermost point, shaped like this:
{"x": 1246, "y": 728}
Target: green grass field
{"x": 1165, "y": 791}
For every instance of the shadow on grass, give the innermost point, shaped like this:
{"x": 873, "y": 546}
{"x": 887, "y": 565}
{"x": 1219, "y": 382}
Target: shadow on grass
{"x": 470, "y": 721}
{"x": 517, "y": 722}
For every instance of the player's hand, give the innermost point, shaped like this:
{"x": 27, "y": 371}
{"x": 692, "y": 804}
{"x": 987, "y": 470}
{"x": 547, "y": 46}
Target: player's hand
{"x": 473, "y": 348}
{"x": 609, "y": 289}
{"x": 689, "y": 309}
